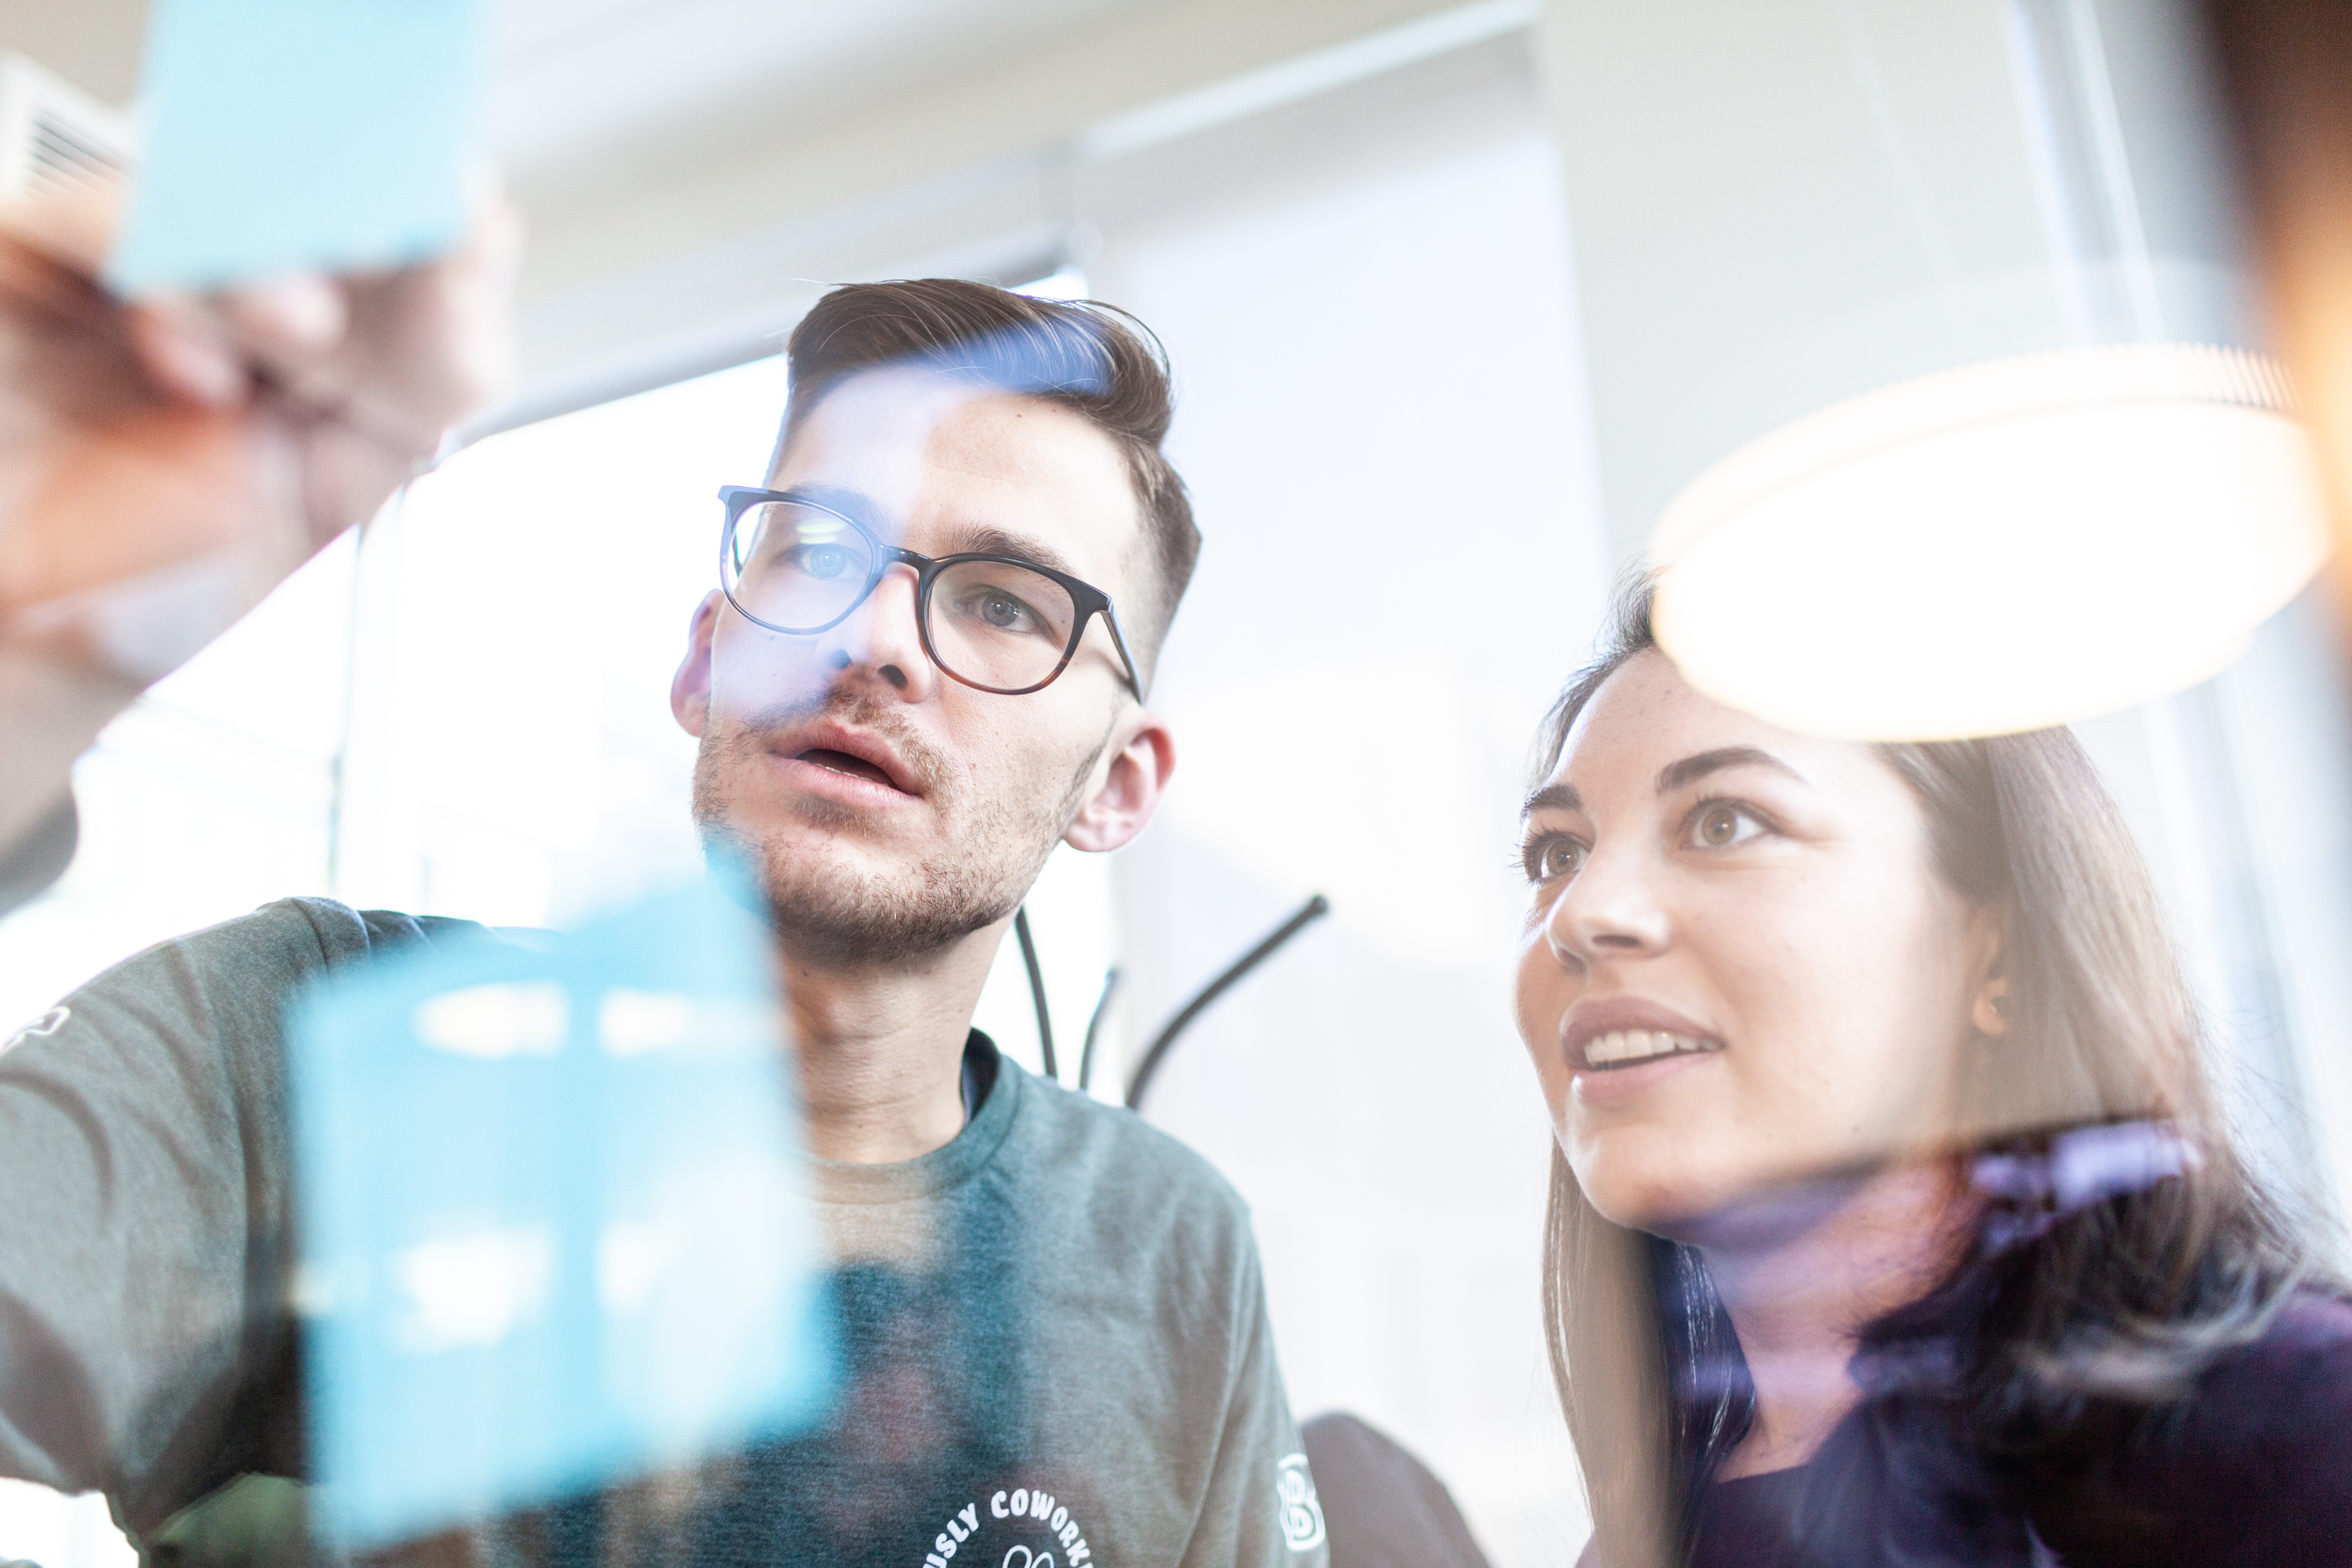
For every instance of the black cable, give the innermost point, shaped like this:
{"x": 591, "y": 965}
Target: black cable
{"x": 1312, "y": 909}
{"x": 1093, "y": 1028}
{"x": 1037, "y": 992}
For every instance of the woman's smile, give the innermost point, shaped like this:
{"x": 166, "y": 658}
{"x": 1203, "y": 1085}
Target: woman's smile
{"x": 1616, "y": 1033}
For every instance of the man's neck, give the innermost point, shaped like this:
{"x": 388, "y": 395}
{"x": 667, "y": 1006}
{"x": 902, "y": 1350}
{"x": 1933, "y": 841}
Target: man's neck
{"x": 1799, "y": 1297}
{"x": 881, "y": 1050}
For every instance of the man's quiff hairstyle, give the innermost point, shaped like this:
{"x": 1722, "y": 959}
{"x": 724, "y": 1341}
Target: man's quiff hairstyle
{"x": 1093, "y": 359}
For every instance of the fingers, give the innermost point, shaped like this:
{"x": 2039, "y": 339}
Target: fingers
{"x": 35, "y": 285}
{"x": 461, "y": 309}
{"x": 289, "y": 321}
{"x": 188, "y": 351}
{"x": 420, "y": 348}
{"x": 213, "y": 350}
{"x": 431, "y": 344}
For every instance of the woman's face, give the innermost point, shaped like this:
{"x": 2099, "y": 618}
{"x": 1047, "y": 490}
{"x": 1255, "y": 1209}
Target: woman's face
{"x": 1739, "y": 966}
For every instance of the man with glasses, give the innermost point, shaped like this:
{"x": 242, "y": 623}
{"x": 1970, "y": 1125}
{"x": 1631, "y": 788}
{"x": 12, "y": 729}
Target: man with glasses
{"x": 924, "y": 665}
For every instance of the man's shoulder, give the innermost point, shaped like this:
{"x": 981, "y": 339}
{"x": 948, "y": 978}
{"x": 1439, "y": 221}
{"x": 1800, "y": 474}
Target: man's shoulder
{"x": 248, "y": 967}
{"x": 293, "y": 938}
{"x": 1129, "y": 1173}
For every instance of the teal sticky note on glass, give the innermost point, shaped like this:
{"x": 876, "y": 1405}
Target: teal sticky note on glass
{"x": 291, "y": 135}
{"x": 553, "y": 1227}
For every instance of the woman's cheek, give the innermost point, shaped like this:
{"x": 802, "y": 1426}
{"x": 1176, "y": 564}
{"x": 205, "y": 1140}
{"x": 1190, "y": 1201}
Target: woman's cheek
{"x": 1536, "y": 1003}
{"x": 1552, "y": 1074}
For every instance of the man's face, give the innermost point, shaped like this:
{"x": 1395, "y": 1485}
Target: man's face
{"x": 890, "y": 809}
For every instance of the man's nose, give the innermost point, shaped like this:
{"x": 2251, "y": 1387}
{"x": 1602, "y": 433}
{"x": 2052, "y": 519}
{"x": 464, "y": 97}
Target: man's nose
{"x": 1608, "y": 910}
{"x": 883, "y": 638}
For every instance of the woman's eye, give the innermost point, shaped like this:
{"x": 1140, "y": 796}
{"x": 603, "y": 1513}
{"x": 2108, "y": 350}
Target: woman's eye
{"x": 1719, "y": 827}
{"x": 1553, "y": 857}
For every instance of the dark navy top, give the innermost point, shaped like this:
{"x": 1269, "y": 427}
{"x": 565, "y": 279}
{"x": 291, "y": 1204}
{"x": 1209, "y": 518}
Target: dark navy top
{"x": 2253, "y": 1472}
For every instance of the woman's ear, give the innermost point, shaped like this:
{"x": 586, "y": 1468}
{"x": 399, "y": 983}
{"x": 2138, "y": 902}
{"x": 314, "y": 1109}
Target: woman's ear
{"x": 1991, "y": 1013}
{"x": 1129, "y": 789}
{"x": 1988, "y": 1007}
{"x": 689, "y": 689}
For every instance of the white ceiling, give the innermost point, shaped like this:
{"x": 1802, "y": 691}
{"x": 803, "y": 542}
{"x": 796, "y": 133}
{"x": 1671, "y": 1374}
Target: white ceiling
{"x": 591, "y": 90}
{"x": 687, "y": 166}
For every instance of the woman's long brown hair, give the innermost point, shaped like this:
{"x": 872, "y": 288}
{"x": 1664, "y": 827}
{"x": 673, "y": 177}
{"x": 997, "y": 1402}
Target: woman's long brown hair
{"x": 2070, "y": 1338}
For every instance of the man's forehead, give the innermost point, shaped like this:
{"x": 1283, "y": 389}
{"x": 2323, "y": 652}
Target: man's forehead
{"x": 944, "y": 467}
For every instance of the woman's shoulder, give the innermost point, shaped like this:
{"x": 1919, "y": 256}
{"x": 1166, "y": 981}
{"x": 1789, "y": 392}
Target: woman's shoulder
{"x": 2301, "y": 1364}
{"x": 2255, "y": 1466}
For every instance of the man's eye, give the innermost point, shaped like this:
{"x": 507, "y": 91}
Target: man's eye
{"x": 823, "y": 561}
{"x": 1006, "y": 612}
{"x": 1722, "y": 825}
{"x": 1552, "y": 856}
{"x": 998, "y": 611}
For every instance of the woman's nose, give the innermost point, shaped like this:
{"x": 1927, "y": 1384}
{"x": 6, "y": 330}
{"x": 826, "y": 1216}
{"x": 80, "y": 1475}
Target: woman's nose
{"x": 1609, "y": 909}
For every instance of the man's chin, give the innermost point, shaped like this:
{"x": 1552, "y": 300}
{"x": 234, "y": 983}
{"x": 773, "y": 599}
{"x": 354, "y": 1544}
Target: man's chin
{"x": 835, "y": 905}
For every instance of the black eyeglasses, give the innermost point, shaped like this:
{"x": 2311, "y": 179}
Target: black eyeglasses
{"x": 996, "y": 623}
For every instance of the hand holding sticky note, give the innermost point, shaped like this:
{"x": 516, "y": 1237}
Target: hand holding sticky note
{"x": 554, "y": 1234}
{"x": 301, "y": 135}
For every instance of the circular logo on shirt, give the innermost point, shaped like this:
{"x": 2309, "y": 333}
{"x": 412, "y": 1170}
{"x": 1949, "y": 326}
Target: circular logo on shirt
{"x": 1019, "y": 1527}
{"x": 1302, "y": 1511}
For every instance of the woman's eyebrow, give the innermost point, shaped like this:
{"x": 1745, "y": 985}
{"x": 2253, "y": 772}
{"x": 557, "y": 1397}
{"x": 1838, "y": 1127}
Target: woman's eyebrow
{"x": 1553, "y": 798}
{"x": 1673, "y": 775}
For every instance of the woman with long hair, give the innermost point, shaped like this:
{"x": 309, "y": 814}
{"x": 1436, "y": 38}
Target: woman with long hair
{"x": 1894, "y": 1218}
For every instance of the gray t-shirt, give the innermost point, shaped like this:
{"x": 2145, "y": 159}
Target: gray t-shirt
{"x": 1057, "y": 1348}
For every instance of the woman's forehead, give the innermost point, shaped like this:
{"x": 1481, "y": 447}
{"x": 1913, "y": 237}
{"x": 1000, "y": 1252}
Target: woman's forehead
{"x": 1646, "y": 716}
{"x": 1646, "y": 706}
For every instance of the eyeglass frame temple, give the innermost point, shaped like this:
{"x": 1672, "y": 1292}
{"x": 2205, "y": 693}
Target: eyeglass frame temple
{"x": 1084, "y": 596}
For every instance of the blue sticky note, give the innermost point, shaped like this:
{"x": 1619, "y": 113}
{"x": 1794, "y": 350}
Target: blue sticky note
{"x": 552, "y": 1218}
{"x": 286, "y": 135}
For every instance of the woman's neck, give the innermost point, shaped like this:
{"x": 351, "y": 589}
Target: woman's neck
{"x": 1804, "y": 1270}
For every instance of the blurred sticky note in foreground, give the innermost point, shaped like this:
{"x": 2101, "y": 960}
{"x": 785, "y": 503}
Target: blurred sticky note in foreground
{"x": 553, "y": 1227}
{"x": 291, "y": 135}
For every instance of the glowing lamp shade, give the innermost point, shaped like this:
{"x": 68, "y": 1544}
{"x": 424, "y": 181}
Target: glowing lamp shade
{"x": 2001, "y": 547}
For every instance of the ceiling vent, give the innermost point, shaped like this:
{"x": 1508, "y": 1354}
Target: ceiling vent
{"x": 64, "y": 161}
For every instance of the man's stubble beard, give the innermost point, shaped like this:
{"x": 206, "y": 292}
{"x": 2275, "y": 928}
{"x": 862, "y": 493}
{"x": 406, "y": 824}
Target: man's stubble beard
{"x": 839, "y": 916}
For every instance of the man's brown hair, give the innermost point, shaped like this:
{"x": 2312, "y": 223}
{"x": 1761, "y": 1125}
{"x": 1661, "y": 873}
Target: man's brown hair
{"x": 1091, "y": 358}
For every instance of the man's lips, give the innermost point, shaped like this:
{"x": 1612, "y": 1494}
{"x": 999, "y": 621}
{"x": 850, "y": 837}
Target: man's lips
{"x": 841, "y": 753}
{"x": 843, "y": 762}
{"x": 1621, "y": 1032}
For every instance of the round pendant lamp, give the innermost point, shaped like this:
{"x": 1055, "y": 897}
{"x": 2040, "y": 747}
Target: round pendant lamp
{"x": 1998, "y": 547}
{"x": 1926, "y": 373}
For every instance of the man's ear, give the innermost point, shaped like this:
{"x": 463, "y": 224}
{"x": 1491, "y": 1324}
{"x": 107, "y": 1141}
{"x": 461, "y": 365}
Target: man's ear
{"x": 689, "y": 689}
{"x": 1129, "y": 788}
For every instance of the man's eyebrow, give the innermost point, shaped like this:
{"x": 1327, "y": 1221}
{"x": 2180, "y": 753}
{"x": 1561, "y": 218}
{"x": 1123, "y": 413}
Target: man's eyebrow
{"x": 1553, "y": 798}
{"x": 977, "y": 539}
{"x": 1673, "y": 775}
{"x": 849, "y": 503}
{"x": 985, "y": 539}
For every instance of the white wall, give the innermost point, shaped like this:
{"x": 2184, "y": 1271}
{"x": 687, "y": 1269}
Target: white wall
{"x": 1383, "y": 424}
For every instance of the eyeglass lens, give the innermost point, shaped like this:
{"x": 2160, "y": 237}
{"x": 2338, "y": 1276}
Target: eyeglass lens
{"x": 996, "y": 625}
